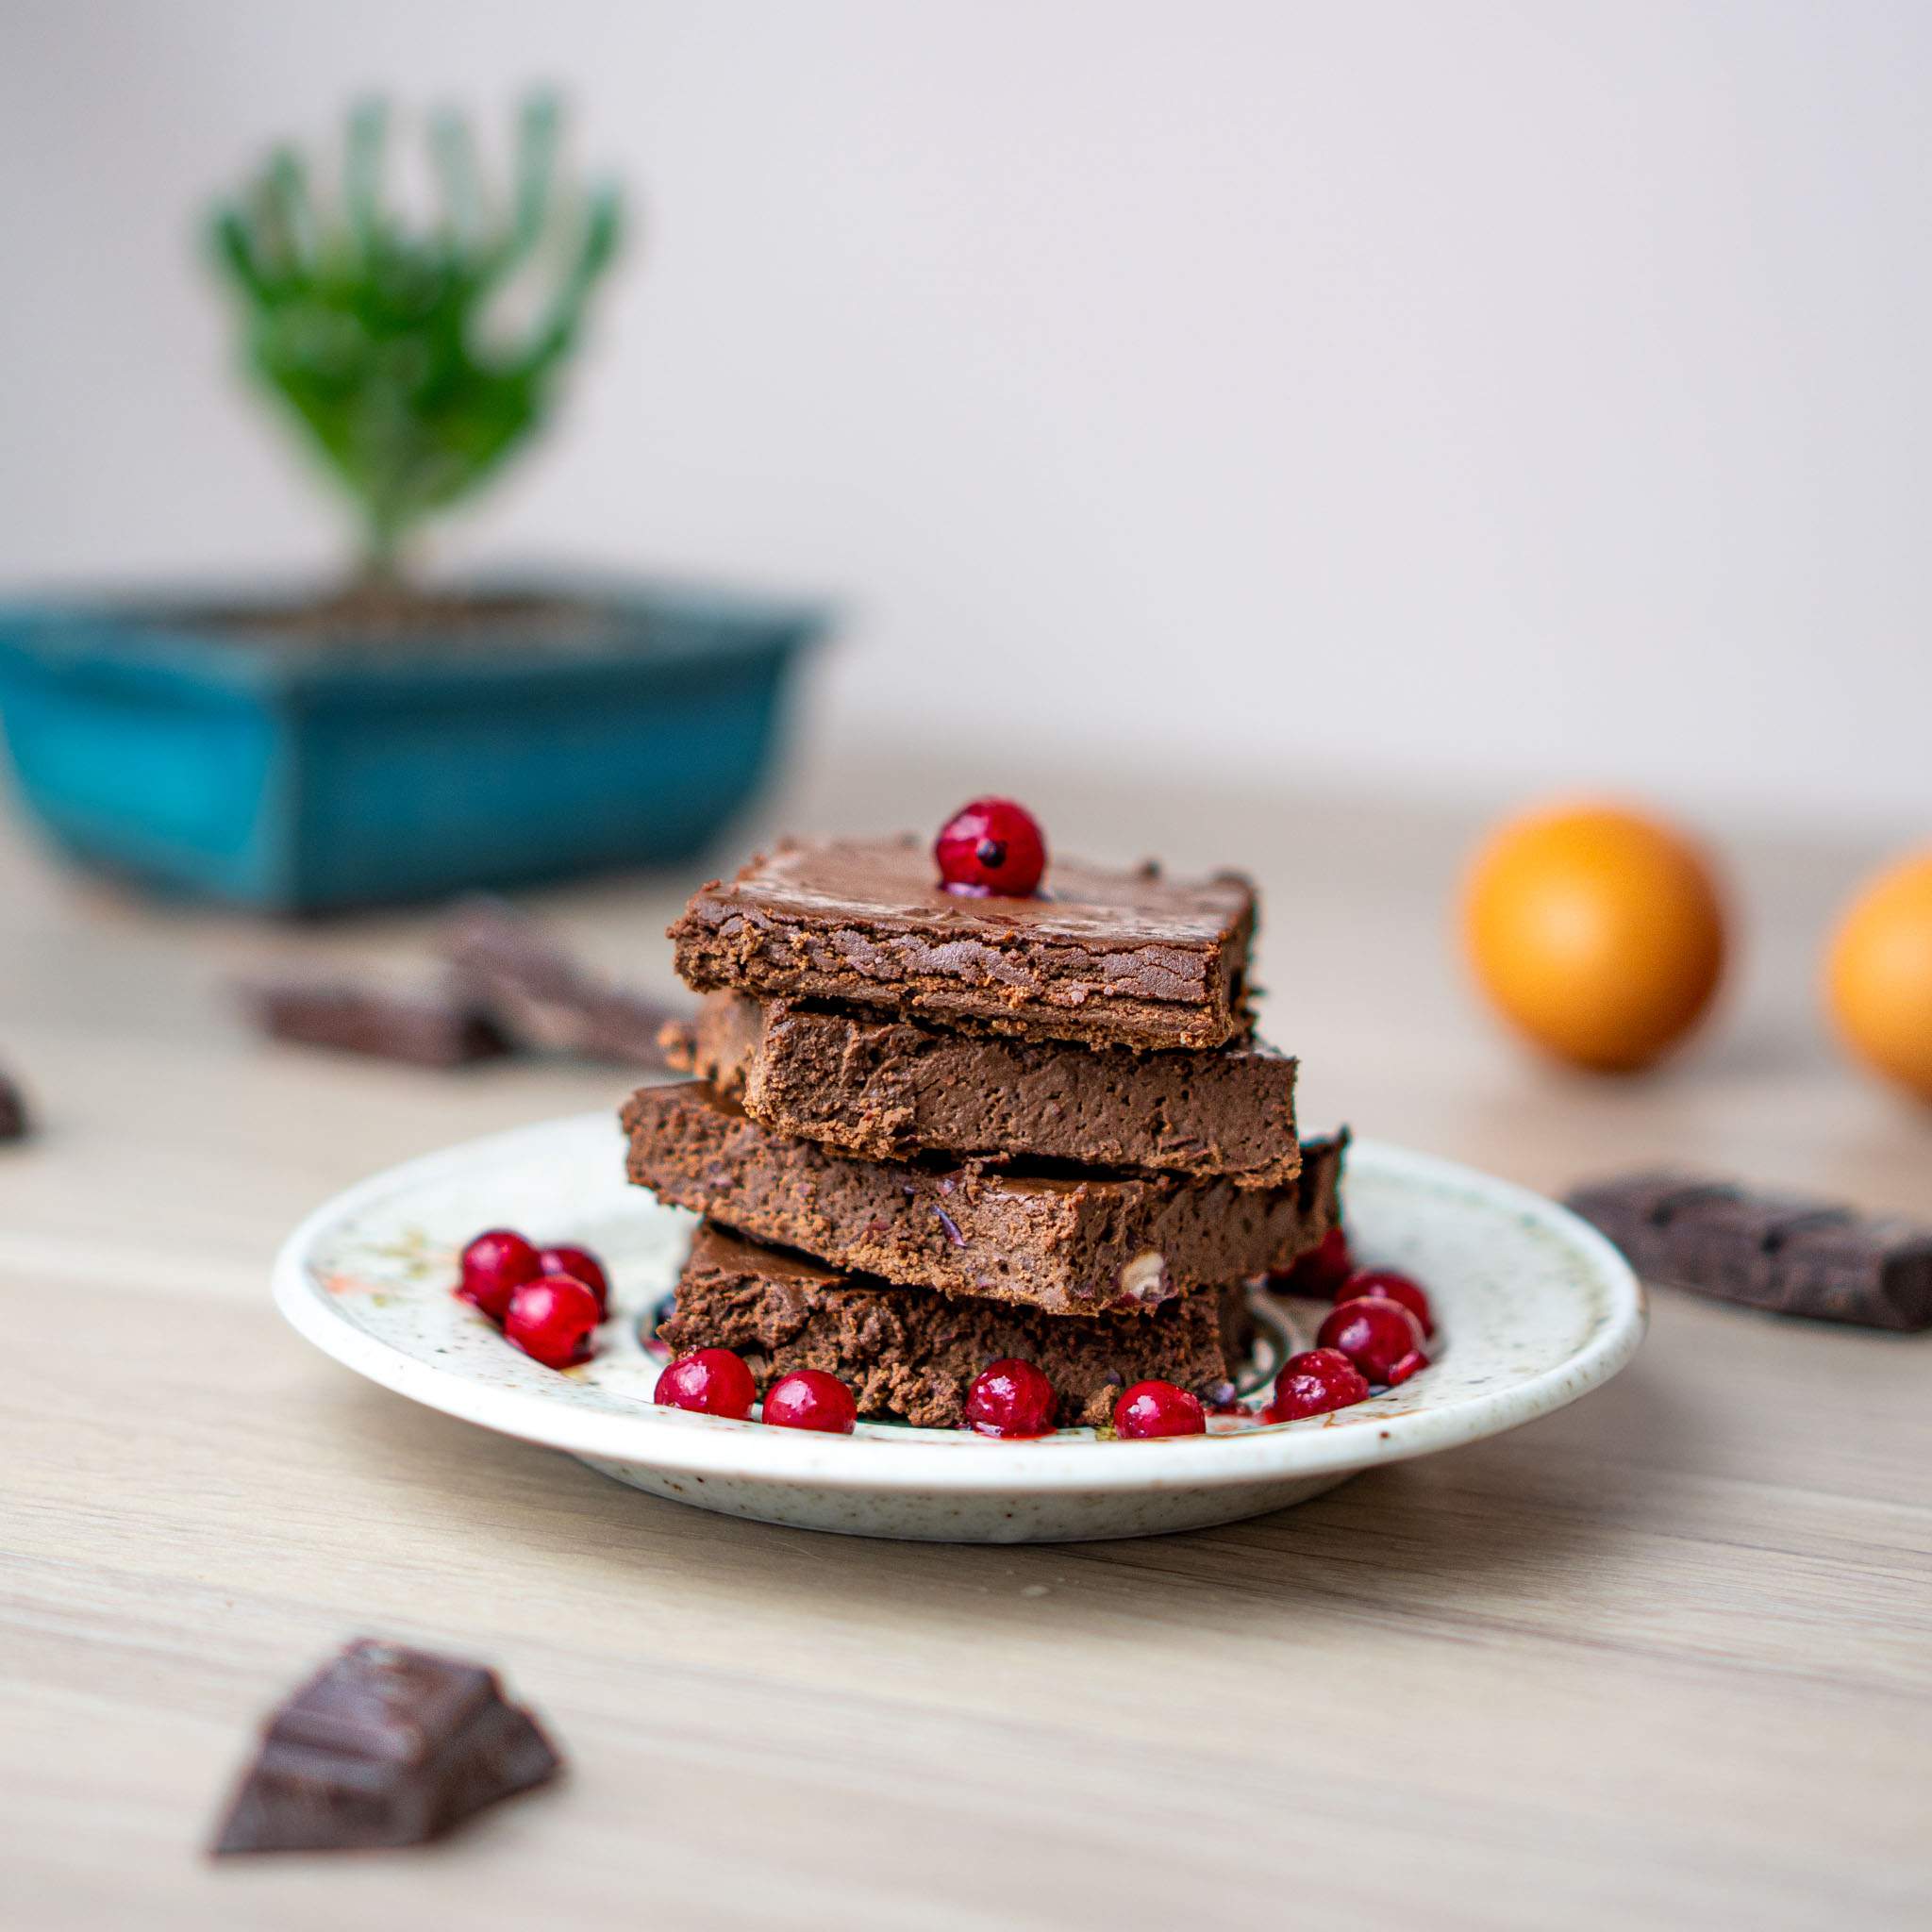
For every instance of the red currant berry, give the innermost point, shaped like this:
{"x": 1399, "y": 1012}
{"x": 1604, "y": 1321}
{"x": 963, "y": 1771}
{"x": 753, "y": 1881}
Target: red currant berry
{"x": 494, "y": 1265}
{"x": 1158, "y": 1408}
{"x": 1321, "y": 1271}
{"x": 1396, "y": 1287}
{"x": 1314, "y": 1382}
{"x": 713, "y": 1381}
{"x": 1010, "y": 1398}
{"x": 810, "y": 1399}
{"x": 1377, "y": 1335}
{"x": 580, "y": 1265}
{"x": 551, "y": 1319}
{"x": 990, "y": 846}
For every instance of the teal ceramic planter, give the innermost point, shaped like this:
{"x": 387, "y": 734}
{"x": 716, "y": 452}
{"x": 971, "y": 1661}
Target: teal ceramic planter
{"x": 276, "y": 767}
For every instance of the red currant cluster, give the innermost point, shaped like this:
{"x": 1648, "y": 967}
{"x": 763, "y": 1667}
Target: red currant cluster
{"x": 1009, "y": 1398}
{"x": 545, "y": 1300}
{"x": 1373, "y": 1336}
{"x": 548, "y": 1301}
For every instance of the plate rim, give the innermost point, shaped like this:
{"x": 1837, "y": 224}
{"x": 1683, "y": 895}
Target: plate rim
{"x": 700, "y": 1446}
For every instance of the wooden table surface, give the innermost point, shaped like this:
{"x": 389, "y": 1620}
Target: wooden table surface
{"x": 1665, "y": 1657}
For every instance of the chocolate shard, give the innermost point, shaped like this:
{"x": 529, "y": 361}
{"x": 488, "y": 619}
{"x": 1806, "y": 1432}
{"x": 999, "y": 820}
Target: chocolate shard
{"x": 13, "y": 1115}
{"x": 1787, "y": 1253}
{"x": 437, "y": 1025}
{"x": 542, "y": 998}
{"x": 384, "y": 1746}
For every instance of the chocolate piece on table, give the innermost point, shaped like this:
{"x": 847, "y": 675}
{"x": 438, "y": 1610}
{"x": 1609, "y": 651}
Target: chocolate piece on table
{"x": 890, "y": 1089}
{"x": 541, "y": 996}
{"x": 1126, "y": 958}
{"x": 384, "y": 1746}
{"x": 910, "y": 1352}
{"x": 1071, "y": 1244}
{"x": 13, "y": 1115}
{"x": 1791, "y": 1255}
{"x": 428, "y": 1027}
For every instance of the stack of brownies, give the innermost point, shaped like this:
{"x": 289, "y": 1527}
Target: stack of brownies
{"x": 930, "y": 1130}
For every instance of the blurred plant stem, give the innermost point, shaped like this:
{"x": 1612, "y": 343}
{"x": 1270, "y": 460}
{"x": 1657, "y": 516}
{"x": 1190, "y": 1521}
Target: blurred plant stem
{"x": 385, "y": 342}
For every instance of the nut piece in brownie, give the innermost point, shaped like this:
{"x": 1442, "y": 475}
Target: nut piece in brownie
{"x": 1127, "y": 958}
{"x": 890, "y": 1089}
{"x": 1073, "y": 1246}
{"x": 1791, "y": 1255}
{"x": 909, "y": 1353}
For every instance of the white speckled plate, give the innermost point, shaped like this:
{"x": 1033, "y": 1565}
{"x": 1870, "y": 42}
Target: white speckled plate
{"x": 1533, "y": 1309}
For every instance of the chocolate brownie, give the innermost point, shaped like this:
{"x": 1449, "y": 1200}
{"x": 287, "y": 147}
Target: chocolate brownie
{"x": 1127, "y": 959}
{"x": 892, "y": 1088}
{"x": 384, "y": 1746}
{"x": 910, "y": 1352}
{"x": 1071, "y": 1244}
{"x": 1789, "y": 1254}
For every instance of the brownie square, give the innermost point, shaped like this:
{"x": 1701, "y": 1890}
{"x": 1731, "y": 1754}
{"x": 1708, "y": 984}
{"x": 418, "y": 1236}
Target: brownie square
{"x": 1072, "y": 1244}
{"x": 1108, "y": 958}
{"x": 892, "y": 1088}
{"x": 909, "y": 1353}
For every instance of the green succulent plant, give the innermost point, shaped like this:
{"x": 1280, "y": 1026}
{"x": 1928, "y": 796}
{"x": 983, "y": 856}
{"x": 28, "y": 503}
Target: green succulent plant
{"x": 391, "y": 342}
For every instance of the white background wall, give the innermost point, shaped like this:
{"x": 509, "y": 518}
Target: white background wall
{"x": 1490, "y": 394}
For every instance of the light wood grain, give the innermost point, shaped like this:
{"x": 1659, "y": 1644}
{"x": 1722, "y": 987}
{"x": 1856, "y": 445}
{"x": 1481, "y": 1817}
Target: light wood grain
{"x": 1665, "y": 1659}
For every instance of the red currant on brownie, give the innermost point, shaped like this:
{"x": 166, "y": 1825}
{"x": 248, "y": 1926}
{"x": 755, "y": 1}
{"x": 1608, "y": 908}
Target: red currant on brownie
{"x": 1393, "y": 1287}
{"x": 810, "y": 1399}
{"x": 551, "y": 1319}
{"x": 990, "y": 847}
{"x": 1379, "y": 1336}
{"x": 1158, "y": 1408}
{"x": 1010, "y": 1398}
{"x": 494, "y": 1265}
{"x": 1314, "y": 1382}
{"x": 713, "y": 1381}
{"x": 580, "y": 1265}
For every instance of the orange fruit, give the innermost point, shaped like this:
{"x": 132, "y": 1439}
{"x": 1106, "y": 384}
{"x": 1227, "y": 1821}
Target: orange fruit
{"x": 1595, "y": 931}
{"x": 1878, "y": 978}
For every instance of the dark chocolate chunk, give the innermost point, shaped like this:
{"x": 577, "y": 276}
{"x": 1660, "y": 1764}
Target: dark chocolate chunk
{"x": 433, "y": 1027}
{"x": 1791, "y": 1255}
{"x": 384, "y": 1746}
{"x": 542, "y": 999}
{"x": 13, "y": 1116}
